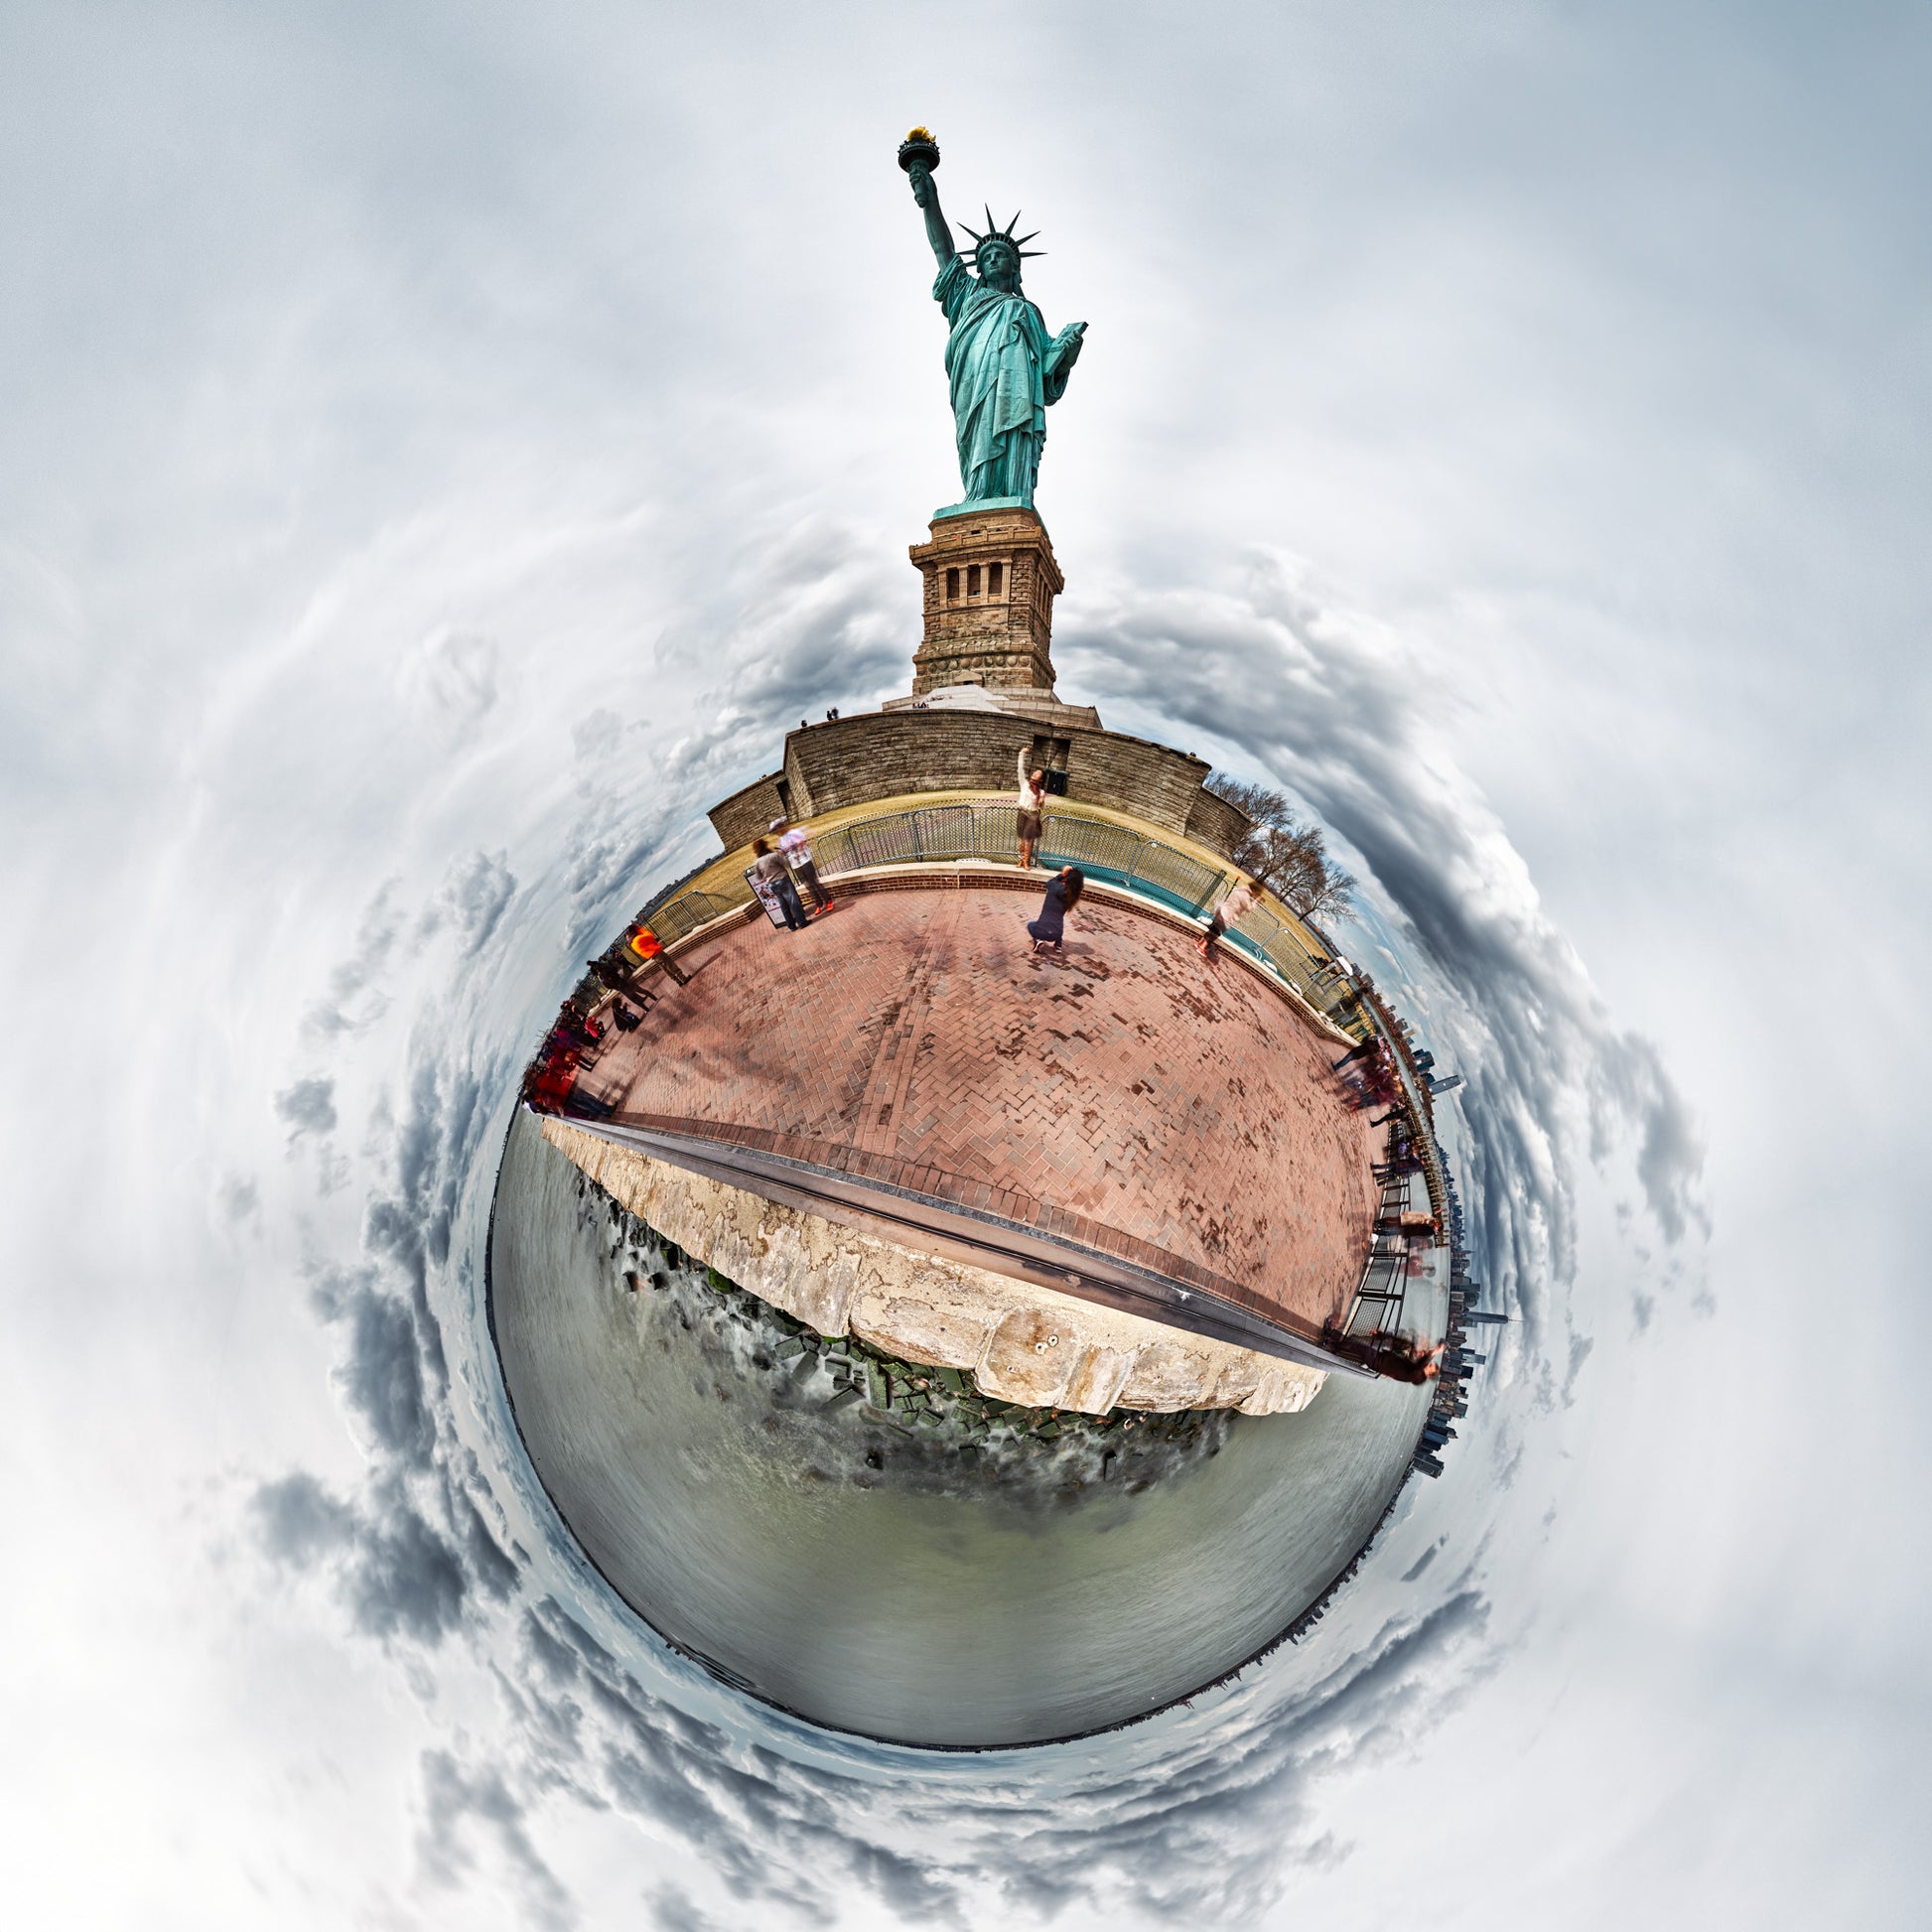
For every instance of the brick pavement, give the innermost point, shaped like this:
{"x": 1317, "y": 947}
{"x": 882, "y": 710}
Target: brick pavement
{"x": 1184, "y": 1105}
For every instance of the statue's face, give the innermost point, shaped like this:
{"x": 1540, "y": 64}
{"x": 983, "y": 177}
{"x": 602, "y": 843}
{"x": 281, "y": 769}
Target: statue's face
{"x": 999, "y": 269}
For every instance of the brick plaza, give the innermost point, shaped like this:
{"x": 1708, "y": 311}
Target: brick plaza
{"x": 1182, "y": 1110}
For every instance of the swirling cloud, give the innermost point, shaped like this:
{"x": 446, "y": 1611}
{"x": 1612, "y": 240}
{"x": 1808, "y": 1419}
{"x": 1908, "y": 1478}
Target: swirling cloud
{"x": 1202, "y": 1816}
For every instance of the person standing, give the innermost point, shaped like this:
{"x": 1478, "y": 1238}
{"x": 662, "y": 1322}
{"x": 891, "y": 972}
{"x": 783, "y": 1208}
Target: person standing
{"x": 648, "y": 946}
{"x": 1032, "y": 801}
{"x": 797, "y": 852}
{"x": 1063, "y": 892}
{"x": 1227, "y": 913}
{"x": 771, "y": 868}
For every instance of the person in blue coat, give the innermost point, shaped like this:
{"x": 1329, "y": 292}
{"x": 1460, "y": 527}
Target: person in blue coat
{"x": 1063, "y": 892}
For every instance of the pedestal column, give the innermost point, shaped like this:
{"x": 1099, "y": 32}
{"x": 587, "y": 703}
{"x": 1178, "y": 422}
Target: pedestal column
{"x": 990, "y": 584}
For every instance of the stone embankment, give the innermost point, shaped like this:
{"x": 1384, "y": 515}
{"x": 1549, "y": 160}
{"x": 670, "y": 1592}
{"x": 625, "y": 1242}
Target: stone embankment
{"x": 921, "y": 1428}
{"x": 1017, "y": 1342}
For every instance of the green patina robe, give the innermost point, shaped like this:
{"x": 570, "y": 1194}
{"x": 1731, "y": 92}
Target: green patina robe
{"x": 997, "y": 360}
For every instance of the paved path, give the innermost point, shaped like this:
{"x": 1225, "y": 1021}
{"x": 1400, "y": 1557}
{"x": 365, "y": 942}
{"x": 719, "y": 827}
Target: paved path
{"x": 1126, "y": 1083}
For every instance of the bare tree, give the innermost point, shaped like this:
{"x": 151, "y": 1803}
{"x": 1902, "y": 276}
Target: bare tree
{"x": 1284, "y": 852}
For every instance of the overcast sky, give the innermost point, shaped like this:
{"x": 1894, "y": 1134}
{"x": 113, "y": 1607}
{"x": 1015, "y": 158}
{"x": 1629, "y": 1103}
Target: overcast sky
{"x": 443, "y": 447}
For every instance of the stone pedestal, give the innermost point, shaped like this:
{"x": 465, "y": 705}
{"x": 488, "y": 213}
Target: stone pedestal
{"x": 990, "y": 584}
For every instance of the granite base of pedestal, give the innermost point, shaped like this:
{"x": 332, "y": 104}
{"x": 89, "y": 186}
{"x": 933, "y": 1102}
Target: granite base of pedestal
{"x": 1011, "y": 701}
{"x": 990, "y": 583}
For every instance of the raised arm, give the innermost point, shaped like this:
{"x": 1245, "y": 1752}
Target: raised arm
{"x": 927, "y": 197}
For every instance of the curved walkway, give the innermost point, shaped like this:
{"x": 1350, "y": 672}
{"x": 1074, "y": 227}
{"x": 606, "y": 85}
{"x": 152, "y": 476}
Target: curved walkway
{"x": 1175, "y": 1107}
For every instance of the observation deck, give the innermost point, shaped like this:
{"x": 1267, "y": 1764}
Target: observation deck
{"x": 1122, "y": 1107}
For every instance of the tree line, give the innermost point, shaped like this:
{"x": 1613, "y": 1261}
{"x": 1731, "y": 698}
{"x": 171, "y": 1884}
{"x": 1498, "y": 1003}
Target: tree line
{"x": 1284, "y": 850}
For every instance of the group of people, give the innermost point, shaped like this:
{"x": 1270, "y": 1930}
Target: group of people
{"x": 779, "y": 869}
{"x": 550, "y": 1081}
{"x": 1063, "y": 892}
{"x": 1371, "y": 1066}
{"x": 784, "y": 873}
{"x": 779, "y": 873}
{"x": 1064, "y": 889}
{"x": 1402, "y": 1358}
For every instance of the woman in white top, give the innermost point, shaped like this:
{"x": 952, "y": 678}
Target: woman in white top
{"x": 1227, "y": 913}
{"x": 1033, "y": 798}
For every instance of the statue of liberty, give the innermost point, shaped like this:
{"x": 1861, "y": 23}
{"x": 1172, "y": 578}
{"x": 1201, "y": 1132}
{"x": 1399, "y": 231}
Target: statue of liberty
{"x": 1002, "y": 365}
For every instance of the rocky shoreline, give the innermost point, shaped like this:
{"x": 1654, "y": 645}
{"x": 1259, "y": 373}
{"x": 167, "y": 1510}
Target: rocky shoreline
{"x": 929, "y": 1424}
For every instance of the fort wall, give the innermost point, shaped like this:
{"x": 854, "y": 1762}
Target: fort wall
{"x": 848, "y": 762}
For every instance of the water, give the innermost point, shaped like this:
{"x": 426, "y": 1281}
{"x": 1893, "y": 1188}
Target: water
{"x": 925, "y": 1600}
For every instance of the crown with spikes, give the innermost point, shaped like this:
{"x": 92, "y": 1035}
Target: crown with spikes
{"x": 994, "y": 232}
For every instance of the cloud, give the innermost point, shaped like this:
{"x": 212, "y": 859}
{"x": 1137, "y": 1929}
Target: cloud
{"x": 406, "y": 1580}
{"x": 819, "y": 623}
{"x": 449, "y": 679}
{"x": 595, "y": 737}
{"x": 455, "y": 1800}
{"x": 1208, "y": 1825}
{"x": 238, "y": 1198}
{"x": 478, "y": 895}
{"x": 383, "y": 1375}
{"x": 355, "y": 1000}
{"x": 1630, "y": 1086}
{"x": 671, "y": 1910}
{"x": 299, "y": 1522}
{"x": 395, "y": 1575}
{"x": 309, "y": 1106}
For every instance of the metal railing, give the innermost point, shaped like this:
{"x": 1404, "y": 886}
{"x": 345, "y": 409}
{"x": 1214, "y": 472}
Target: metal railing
{"x": 1122, "y": 858}
{"x": 1383, "y": 1289}
{"x": 983, "y": 828}
{"x": 978, "y": 829}
{"x": 1269, "y": 930}
{"x": 969, "y": 829}
{"x": 1416, "y": 1097}
{"x": 689, "y": 911}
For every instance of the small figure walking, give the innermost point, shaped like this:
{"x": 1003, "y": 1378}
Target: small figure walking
{"x": 1032, "y": 800}
{"x": 1227, "y": 913}
{"x": 648, "y": 946}
{"x": 1063, "y": 892}
{"x": 771, "y": 868}
{"x": 797, "y": 851}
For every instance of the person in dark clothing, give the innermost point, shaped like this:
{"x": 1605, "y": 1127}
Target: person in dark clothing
{"x": 1402, "y": 1360}
{"x": 771, "y": 868}
{"x": 576, "y": 1032}
{"x": 1063, "y": 892}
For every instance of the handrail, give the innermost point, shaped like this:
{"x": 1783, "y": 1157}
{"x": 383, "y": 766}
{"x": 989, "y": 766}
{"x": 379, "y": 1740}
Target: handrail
{"x": 1273, "y": 934}
{"x": 985, "y": 828}
{"x": 688, "y": 911}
